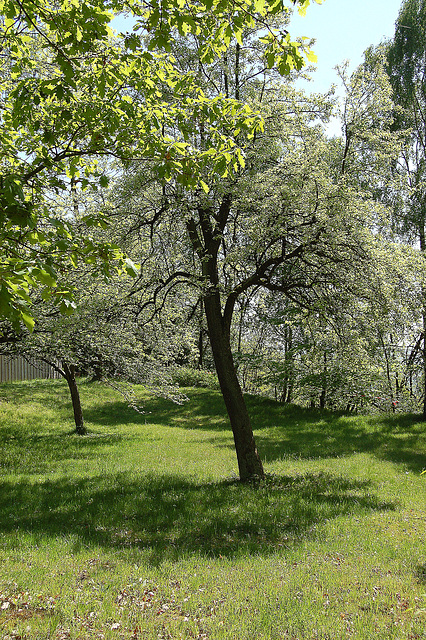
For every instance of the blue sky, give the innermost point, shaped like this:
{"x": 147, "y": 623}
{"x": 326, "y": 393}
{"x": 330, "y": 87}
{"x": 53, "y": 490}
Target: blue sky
{"x": 343, "y": 29}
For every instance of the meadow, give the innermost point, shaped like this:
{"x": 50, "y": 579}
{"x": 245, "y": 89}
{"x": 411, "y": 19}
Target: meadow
{"x": 141, "y": 529}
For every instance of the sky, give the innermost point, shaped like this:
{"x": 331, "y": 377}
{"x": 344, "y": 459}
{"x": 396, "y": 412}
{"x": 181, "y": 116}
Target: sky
{"x": 343, "y": 29}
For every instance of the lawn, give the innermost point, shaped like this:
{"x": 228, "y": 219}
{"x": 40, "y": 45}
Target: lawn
{"x": 140, "y": 530}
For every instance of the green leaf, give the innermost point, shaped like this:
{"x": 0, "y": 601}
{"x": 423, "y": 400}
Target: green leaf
{"x": 270, "y": 59}
{"x": 28, "y": 320}
{"x": 44, "y": 277}
{"x": 67, "y": 307}
{"x": 59, "y": 91}
{"x": 204, "y": 186}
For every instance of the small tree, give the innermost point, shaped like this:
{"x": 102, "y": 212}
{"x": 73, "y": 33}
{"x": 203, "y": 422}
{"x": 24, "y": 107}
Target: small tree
{"x": 97, "y": 340}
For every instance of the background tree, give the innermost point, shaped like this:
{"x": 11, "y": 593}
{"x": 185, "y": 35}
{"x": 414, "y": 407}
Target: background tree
{"x": 104, "y": 340}
{"x": 313, "y": 220}
{"x": 95, "y": 341}
{"x": 407, "y": 72}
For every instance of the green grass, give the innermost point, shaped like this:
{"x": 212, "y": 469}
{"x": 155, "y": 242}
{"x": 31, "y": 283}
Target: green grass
{"x": 140, "y": 530}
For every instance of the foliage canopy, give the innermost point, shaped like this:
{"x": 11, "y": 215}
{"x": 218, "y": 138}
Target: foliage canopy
{"x": 72, "y": 93}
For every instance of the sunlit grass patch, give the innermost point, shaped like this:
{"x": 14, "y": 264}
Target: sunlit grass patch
{"x": 141, "y": 529}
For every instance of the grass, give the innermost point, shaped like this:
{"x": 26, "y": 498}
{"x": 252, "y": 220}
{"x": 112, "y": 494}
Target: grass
{"x": 140, "y": 530}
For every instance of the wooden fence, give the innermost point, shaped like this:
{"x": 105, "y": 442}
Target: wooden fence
{"x": 19, "y": 369}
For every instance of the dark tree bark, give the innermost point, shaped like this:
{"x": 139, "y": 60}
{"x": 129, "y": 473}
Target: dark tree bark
{"x": 249, "y": 462}
{"x": 388, "y": 372}
{"x": 323, "y": 396}
{"x": 205, "y": 238}
{"x": 288, "y": 379}
{"x": 422, "y": 237}
{"x": 69, "y": 372}
{"x": 200, "y": 345}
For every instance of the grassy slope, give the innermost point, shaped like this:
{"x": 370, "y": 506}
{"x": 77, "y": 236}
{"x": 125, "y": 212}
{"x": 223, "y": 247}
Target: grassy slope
{"x": 140, "y": 530}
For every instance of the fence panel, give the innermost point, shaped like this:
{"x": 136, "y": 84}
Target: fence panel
{"x": 17, "y": 368}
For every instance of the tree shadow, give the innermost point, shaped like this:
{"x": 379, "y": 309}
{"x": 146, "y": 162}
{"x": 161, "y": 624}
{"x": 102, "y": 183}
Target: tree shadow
{"x": 290, "y": 431}
{"x": 204, "y": 410}
{"x": 26, "y": 391}
{"x": 283, "y": 431}
{"x": 35, "y": 454}
{"x": 301, "y": 433}
{"x": 421, "y": 573}
{"x": 168, "y": 517}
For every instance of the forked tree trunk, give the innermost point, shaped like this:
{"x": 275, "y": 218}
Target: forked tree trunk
{"x": 206, "y": 239}
{"x": 75, "y": 398}
{"x": 249, "y": 462}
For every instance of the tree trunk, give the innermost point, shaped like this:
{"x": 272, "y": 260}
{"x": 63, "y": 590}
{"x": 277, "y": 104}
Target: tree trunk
{"x": 200, "y": 363}
{"x": 422, "y": 238}
{"x": 424, "y": 358}
{"x": 388, "y": 372}
{"x": 323, "y": 396}
{"x": 75, "y": 398}
{"x": 249, "y": 462}
{"x": 289, "y": 365}
{"x": 206, "y": 240}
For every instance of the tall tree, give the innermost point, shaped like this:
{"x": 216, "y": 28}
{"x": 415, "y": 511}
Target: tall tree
{"x": 407, "y": 71}
{"x": 287, "y": 221}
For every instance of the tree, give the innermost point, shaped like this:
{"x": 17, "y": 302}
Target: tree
{"x": 102, "y": 340}
{"x": 70, "y": 89}
{"x": 407, "y": 72}
{"x": 359, "y": 351}
{"x": 94, "y": 341}
{"x": 287, "y": 221}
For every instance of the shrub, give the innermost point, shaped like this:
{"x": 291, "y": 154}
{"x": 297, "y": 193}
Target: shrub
{"x": 187, "y": 377}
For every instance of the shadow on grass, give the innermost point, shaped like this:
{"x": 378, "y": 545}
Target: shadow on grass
{"x": 285, "y": 430}
{"x": 167, "y": 517}
{"x": 205, "y": 409}
{"x": 53, "y": 393}
{"x": 34, "y": 454}
{"x": 421, "y": 573}
{"x": 305, "y": 434}
{"x": 281, "y": 430}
